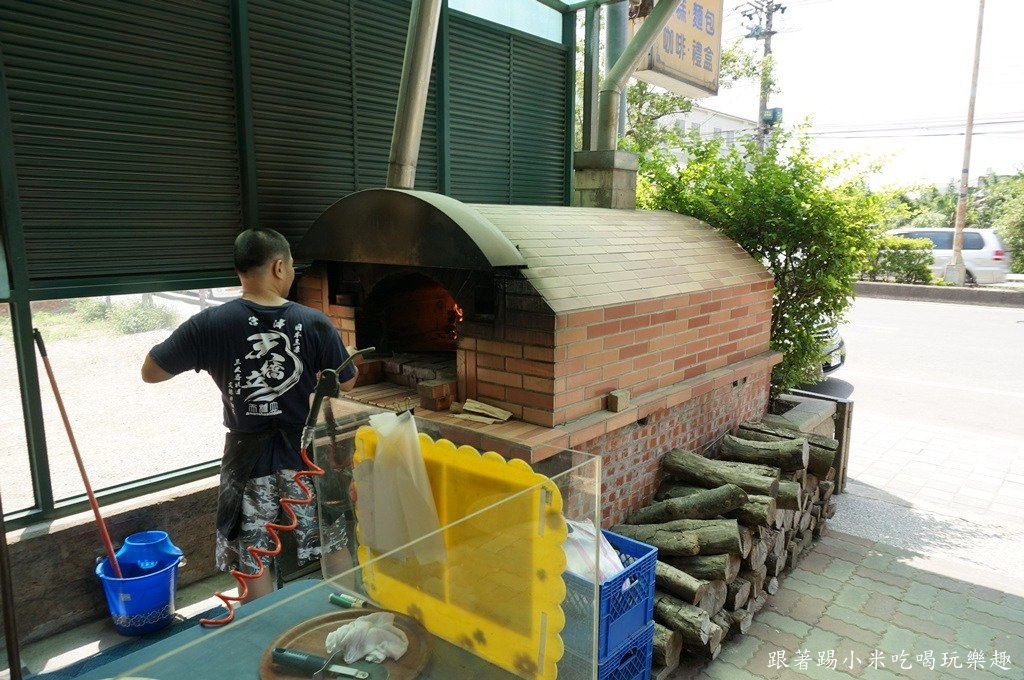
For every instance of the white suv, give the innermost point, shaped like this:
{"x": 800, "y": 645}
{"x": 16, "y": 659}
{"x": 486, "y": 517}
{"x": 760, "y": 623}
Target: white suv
{"x": 985, "y": 257}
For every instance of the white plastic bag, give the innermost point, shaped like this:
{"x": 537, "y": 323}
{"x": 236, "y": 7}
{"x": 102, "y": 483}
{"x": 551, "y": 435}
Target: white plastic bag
{"x": 373, "y": 637}
{"x": 582, "y": 544}
{"x": 402, "y": 503}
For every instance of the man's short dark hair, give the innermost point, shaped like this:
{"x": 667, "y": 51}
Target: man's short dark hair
{"x": 259, "y": 246}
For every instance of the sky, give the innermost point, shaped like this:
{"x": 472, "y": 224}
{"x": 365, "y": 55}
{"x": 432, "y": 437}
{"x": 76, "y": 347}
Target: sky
{"x": 891, "y": 79}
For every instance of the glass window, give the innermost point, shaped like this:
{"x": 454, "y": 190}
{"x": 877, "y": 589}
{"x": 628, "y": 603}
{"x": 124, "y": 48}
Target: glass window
{"x": 730, "y": 137}
{"x": 528, "y": 16}
{"x": 943, "y": 240}
{"x": 16, "y": 480}
{"x": 973, "y": 241}
{"x": 125, "y": 429}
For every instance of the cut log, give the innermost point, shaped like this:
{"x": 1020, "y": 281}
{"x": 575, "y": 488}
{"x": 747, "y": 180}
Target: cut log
{"x": 680, "y": 584}
{"x": 753, "y": 468}
{"x": 708, "y": 567}
{"x": 825, "y": 488}
{"x": 709, "y": 503}
{"x": 771, "y": 586}
{"x": 805, "y": 522}
{"x": 821, "y": 450}
{"x": 713, "y": 536}
{"x": 669, "y": 542}
{"x": 756, "y": 604}
{"x": 774, "y": 564}
{"x": 714, "y": 599}
{"x": 695, "y": 469}
{"x": 830, "y": 508}
{"x": 670, "y": 488}
{"x": 811, "y": 482}
{"x": 758, "y": 554}
{"x": 667, "y": 646}
{"x": 787, "y": 455}
{"x": 692, "y": 623}
{"x": 738, "y": 594}
{"x": 733, "y": 622}
{"x": 713, "y": 647}
{"x": 756, "y": 578}
{"x": 757, "y": 511}
{"x": 789, "y": 496}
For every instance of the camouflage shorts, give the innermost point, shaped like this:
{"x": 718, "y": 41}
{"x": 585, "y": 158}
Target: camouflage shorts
{"x": 261, "y": 504}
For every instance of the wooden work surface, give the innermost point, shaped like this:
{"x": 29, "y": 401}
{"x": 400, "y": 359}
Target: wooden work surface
{"x": 236, "y": 649}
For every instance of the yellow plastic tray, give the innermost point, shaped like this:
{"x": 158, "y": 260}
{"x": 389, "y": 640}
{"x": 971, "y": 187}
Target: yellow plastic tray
{"x": 499, "y": 591}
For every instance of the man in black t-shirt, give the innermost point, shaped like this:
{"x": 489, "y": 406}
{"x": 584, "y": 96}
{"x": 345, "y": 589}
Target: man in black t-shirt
{"x": 264, "y": 353}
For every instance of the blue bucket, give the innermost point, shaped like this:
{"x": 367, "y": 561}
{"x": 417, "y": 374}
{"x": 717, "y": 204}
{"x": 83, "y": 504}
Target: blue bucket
{"x": 142, "y": 601}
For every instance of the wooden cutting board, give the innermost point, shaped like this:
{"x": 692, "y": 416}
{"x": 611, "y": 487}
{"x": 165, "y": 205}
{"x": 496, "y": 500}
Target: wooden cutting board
{"x": 310, "y": 637}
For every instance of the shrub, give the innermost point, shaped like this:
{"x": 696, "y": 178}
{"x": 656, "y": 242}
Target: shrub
{"x": 903, "y": 260}
{"x": 805, "y": 218}
{"x": 139, "y": 317}
{"x": 90, "y": 309}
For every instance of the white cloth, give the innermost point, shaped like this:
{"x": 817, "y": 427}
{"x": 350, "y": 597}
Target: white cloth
{"x": 372, "y": 638}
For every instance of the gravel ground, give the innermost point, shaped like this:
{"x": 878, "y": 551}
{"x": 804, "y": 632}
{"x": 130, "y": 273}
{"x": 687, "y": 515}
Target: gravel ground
{"x": 125, "y": 429}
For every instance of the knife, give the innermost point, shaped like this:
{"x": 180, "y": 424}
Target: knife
{"x": 308, "y": 663}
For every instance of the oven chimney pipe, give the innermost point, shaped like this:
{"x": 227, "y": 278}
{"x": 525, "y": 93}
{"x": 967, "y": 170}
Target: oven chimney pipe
{"x": 618, "y": 75}
{"x": 424, "y": 18}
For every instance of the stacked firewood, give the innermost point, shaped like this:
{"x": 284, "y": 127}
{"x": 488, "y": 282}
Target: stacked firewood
{"x": 726, "y": 528}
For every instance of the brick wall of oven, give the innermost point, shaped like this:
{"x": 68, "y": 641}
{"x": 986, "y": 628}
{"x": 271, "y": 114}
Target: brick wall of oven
{"x": 550, "y": 369}
{"x": 653, "y": 344}
{"x": 631, "y": 456}
{"x": 311, "y": 290}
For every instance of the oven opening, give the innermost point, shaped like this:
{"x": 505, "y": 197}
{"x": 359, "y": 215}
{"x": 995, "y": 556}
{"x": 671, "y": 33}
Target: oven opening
{"x": 414, "y": 323}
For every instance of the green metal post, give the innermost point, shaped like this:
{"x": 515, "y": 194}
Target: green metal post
{"x": 591, "y": 75}
{"x": 569, "y": 40}
{"x": 444, "y": 137}
{"x": 243, "y": 112}
{"x": 21, "y": 311}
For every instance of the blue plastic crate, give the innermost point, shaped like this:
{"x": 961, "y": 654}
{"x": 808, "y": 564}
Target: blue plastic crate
{"x": 621, "y": 612}
{"x": 630, "y": 661}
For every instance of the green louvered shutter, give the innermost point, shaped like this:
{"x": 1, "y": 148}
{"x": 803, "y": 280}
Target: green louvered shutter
{"x": 379, "y": 34}
{"x": 124, "y": 135}
{"x": 538, "y": 122}
{"x": 480, "y": 100}
{"x": 302, "y": 109}
{"x": 508, "y": 117}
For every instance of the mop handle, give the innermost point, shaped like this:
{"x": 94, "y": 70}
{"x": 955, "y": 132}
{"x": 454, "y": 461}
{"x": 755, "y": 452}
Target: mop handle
{"x": 78, "y": 457}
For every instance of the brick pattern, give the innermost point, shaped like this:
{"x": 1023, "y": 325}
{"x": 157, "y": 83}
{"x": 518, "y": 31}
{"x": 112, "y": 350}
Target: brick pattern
{"x": 549, "y": 369}
{"x": 631, "y": 455}
{"x": 881, "y": 612}
{"x": 312, "y": 291}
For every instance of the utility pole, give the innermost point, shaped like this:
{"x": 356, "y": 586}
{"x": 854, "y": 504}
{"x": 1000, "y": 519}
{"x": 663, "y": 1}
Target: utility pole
{"x": 956, "y": 272}
{"x": 764, "y": 10}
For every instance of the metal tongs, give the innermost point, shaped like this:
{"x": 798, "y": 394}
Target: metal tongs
{"x": 308, "y": 663}
{"x": 327, "y": 386}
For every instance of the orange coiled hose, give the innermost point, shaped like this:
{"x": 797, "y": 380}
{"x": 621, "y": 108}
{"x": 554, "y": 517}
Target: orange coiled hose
{"x": 272, "y": 529}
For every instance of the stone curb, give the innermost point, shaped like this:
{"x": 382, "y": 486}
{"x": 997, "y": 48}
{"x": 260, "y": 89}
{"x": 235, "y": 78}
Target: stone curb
{"x": 963, "y": 296}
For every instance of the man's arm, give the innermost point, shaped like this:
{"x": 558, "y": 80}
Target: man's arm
{"x": 152, "y": 373}
{"x": 349, "y": 384}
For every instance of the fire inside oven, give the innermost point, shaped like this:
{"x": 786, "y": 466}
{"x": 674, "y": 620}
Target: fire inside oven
{"x": 409, "y": 313}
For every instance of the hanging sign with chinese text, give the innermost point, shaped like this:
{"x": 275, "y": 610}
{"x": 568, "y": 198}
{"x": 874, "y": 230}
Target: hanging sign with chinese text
{"x": 685, "y": 57}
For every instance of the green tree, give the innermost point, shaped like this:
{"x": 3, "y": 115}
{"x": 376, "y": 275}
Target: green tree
{"x": 807, "y": 219}
{"x": 1010, "y": 225}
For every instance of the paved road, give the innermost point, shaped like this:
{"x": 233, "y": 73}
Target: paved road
{"x": 937, "y": 452}
{"x": 935, "y": 364}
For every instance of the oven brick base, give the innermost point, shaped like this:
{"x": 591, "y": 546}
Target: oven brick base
{"x": 631, "y": 456}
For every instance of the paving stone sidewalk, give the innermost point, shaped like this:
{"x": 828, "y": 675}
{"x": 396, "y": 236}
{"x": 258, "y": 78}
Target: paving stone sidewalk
{"x": 858, "y": 608}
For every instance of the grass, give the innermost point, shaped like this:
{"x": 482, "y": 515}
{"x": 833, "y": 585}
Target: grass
{"x": 91, "y": 318}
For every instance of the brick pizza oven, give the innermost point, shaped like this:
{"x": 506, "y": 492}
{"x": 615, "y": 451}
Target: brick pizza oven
{"x": 619, "y": 332}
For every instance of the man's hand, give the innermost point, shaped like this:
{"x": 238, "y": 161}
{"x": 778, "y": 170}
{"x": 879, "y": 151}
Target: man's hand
{"x": 152, "y": 373}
